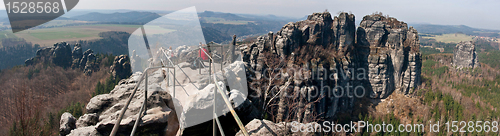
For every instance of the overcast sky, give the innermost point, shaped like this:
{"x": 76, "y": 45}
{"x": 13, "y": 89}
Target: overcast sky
{"x": 474, "y": 13}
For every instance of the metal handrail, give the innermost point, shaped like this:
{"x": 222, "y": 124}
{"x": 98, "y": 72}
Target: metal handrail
{"x": 228, "y": 104}
{"x": 226, "y": 100}
{"x": 143, "y": 107}
{"x": 172, "y": 63}
{"x": 122, "y": 113}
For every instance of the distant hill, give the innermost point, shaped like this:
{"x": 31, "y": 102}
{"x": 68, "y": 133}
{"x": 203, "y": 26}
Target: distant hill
{"x": 217, "y": 26}
{"x": 127, "y": 17}
{"x": 214, "y": 35}
{"x": 447, "y": 29}
{"x": 227, "y": 16}
{"x": 225, "y": 25}
{"x": 268, "y": 17}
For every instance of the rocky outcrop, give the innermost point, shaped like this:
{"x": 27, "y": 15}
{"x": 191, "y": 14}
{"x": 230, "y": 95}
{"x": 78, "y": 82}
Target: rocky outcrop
{"x": 121, "y": 67}
{"x": 465, "y": 56}
{"x": 87, "y": 120}
{"x": 337, "y": 61}
{"x": 264, "y": 127}
{"x": 85, "y": 131}
{"x": 77, "y": 55}
{"x": 195, "y": 94}
{"x": 335, "y": 38}
{"x": 66, "y": 124}
{"x": 61, "y": 55}
{"x": 88, "y": 62}
{"x": 103, "y": 110}
{"x": 392, "y": 55}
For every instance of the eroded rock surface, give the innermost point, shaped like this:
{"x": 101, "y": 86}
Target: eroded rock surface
{"x": 264, "y": 127}
{"x": 61, "y": 55}
{"x": 465, "y": 56}
{"x": 104, "y": 109}
{"x": 379, "y": 57}
{"x": 391, "y": 52}
{"x": 121, "y": 67}
{"x": 66, "y": 124}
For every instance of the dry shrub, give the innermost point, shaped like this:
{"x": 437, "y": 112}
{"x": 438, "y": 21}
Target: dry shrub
{"x": 29, "y": 94}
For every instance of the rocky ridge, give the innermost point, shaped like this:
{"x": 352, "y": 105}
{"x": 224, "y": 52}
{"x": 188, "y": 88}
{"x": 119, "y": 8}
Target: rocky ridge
{"x": 103, "y": 110}
{"x": 381, "y": 56}
{"x": 165, "y": 114}
{"x": 62, "y": 55}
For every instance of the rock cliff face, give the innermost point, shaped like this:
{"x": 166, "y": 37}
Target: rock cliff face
{"x": 392, "y": 52}
{"x": 335, "y": 38}
{"x": 465, "y": 56}
{"x": 380, "y": 56}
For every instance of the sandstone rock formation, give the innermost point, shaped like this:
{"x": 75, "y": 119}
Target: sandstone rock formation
{"x": 336, "y": 35}
{"x": 465, "y": 56}
{"x": 77, "y": 55}
{"x": 88, "y": 62}
{"x": 61, "y": 55}
{"x": 87, "y": 120}
{"x": 391, "y": 51}
{"x": 102, "y": 110}
{"x": 264, "y": 127}
{"x": 121, "y": 67}
{"x": 66, "y": 124}
{"x": 161, "y": 114}
{"x": 379, "y": 57}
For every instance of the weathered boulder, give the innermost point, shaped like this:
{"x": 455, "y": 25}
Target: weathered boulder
{"x": 181, "y": 50}
{"x": 259, "y": 127}
{"x": 85, "y": 131}
{"x": 87, "y": 120}
{"x": 121, "y": 67}
{"x": 184, "y": 52}
{"x": 465, "y": 56}
{"x": 66, "y": 124}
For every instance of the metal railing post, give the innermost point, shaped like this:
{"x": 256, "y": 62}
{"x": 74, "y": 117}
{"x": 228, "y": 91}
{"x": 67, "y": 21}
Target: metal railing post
{"x": 168, "y": 77}
{"x": 221, "y": 56}
{"x": 215, "y": 116}
{"x": 143, "y": 107}
{"x": 122, "y": 113}
{"x": 228, "y": 104}
{"x": 117, "y": 123}
{"x": 174, "y": 81}
{"x": 226, "y": 101}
